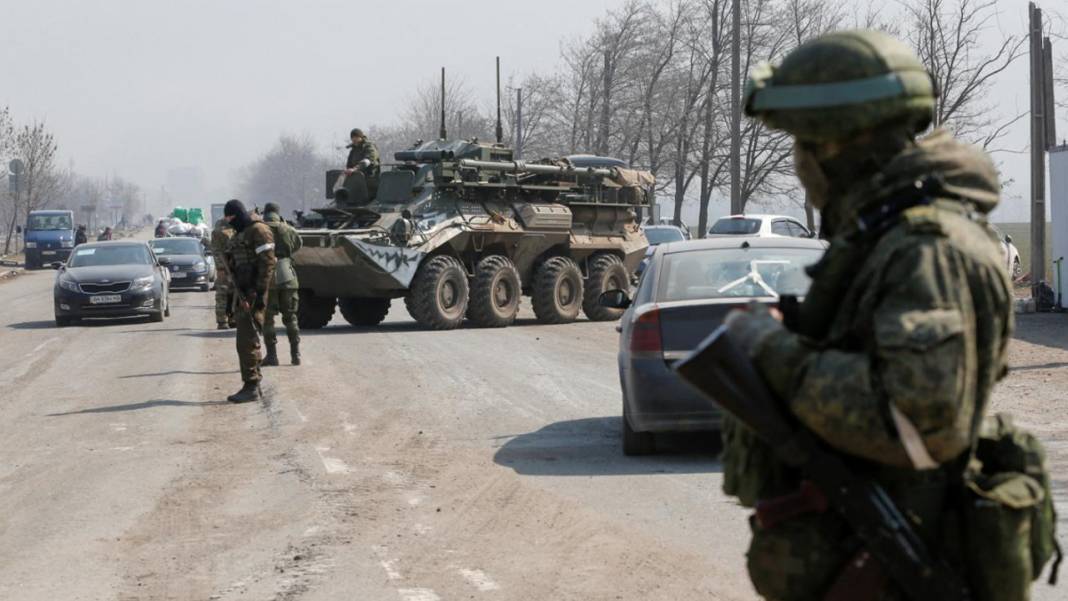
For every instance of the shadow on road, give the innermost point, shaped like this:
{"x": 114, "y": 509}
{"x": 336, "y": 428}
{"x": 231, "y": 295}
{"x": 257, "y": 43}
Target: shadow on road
{"x": 1038, "y": 366}
{"x": 138, "y": 406}
{"x": 32, "y": 325}
{"x": 175, "y": 372}
{"x": 591, "y": 447}
{"x": 230, "y": 333}
{"x": 151, "y": 330}
{"x": 413, "y": 326}
{"x": 1045, "y": 329}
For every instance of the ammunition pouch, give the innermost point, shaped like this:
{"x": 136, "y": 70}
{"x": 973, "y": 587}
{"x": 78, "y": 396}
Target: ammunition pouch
{"x": 244, "y": 277}
{"x": 1007, "y": 522}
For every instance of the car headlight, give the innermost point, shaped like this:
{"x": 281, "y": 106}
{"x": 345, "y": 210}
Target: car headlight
{"x": 69, "y": 284}
{"x": 31, "y": 245}
{"x": 67, "y": 243}
{"x": 200, "y": 266}
{"x": 142, "y": 283}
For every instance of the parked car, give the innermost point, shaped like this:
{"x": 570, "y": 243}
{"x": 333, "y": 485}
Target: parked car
{"x": 657, "y": 235}
{"x": 759, "y": 225}
{"x": 111, "y": 279}
{"x": 687, "y": 290}
{"x": 190, "y": 264}
{"x": 48, "y": 237}
{"x": 1010, "y": 253}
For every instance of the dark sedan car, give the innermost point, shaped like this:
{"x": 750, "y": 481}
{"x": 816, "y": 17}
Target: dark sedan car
{"x": 111, "y": 279}
{"x": 687, "y": 290}
{"x": 189, "y": 263}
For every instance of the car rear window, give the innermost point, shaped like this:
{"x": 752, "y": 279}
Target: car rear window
{"x": 176, "y": 246}
{"x": 735, "y": 272}
{"x": 735, "y": 225}
{"x": 661, "y": 235}
{"x": 93, "y": 256}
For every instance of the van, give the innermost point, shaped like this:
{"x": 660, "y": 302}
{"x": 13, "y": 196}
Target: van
{"x": 49, "y": 237}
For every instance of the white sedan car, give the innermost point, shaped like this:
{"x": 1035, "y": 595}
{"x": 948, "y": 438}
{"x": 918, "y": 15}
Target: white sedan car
{"x": 1010, "y": 253}
{"x": 760, "y": 225}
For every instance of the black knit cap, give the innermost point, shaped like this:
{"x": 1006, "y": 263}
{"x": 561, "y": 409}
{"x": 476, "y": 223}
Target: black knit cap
{"x": 356, "y": 132}
{"x": 271, "y": 207}
{"x": 234, "y": 207}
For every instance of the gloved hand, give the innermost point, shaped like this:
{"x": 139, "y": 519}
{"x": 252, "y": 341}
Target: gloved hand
{"x": 750, "y": 327}
{"x": 261, "y": 300}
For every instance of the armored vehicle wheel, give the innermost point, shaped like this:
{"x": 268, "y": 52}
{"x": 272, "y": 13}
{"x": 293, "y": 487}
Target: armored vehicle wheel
{"x": 439, "y": 293}
{"x": 495, "y": 292}
{"x": 606, "y": 273}
{"x": 363, "y": 311}
{"x": 314, "y": 312}
{"x": 557, "y": 291}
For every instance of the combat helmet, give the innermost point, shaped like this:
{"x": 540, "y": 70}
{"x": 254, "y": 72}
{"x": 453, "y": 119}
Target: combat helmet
{"x": 842, "y": 83}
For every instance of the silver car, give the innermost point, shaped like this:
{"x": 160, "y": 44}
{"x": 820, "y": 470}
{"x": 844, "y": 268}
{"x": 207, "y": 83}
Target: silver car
{"x": 687, "y": 290}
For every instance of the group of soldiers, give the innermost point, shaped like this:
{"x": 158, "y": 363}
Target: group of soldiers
{"x": 889, "y": 361}
{"x": 256, "y": 281}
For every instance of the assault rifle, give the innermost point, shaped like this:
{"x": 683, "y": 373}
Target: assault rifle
{"x": 721, "y": 371}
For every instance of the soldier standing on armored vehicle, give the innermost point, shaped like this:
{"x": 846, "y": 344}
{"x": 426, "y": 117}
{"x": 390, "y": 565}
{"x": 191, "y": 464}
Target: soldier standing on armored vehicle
{"x": 224, "y": 296}
{"x": 891, "y": 358}
{"x": 282, "y": 299}
{"x": 250, "y": 258}
{"x": 363, "y": 157}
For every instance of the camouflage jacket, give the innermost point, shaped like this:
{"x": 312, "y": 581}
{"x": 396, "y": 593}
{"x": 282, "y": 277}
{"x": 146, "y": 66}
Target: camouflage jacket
{"x": 921, "y": 326}
{"x": 250, "y": 253}
{"x": 220, "y": 237}
{"x": 286, "y": 242}
{"x": 366, "y": 150}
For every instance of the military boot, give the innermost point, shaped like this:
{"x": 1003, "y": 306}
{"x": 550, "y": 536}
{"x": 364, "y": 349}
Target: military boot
{"x": 294, "y": 352}
{"x": 222, "y": 325}
{"x": 272, "y": 356}
{"x": 249, "y": 392}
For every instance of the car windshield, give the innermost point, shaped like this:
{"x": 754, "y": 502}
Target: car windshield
{"x": 735, "y": 225}
{"x": 119, "y": 254}
{"x": 176, "y": 246}
{"x": 735, "y": 272}
{"x": 49, "y": 222}
{"x": 660, "y": 235}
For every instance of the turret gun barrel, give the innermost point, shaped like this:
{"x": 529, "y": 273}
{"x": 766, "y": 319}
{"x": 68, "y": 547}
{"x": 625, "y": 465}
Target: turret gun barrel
{"x": 539, "y": 168}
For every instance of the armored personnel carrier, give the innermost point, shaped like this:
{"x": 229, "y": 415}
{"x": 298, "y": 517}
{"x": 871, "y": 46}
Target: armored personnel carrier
{"x": 460, "y": 230}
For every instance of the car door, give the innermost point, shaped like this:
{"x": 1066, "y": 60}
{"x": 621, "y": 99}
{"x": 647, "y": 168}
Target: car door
{"x": 799, "y": 231}
{"x": 781, "y": 227}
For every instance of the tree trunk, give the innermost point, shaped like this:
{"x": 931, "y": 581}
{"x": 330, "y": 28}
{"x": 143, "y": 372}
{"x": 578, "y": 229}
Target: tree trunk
{"x": 11, "y": 230}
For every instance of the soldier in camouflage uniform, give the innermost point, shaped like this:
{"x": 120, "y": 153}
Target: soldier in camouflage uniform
{"x": 363, "y": 157}
{"x": 283, "y": 298}
{"x": 891, "y": 357}
{"x": 220, "y": 236}
{"x": 250, "y": 258}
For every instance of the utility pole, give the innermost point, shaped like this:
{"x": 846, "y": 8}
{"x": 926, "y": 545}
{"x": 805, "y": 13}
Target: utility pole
{"x": 1043, "y": 134}
{"x": 519, "y": 123}
{"x": 736, "y": 109}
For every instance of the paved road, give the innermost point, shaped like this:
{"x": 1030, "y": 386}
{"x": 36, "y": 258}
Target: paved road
{"x": 395, "y": 464}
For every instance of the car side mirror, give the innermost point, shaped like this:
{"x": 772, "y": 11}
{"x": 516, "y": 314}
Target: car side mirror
{"x": 614, "y": 299}
{"x": 56, "y": 265}
{"x": 1008, "y": 239}
{"x": 163, "y": 260}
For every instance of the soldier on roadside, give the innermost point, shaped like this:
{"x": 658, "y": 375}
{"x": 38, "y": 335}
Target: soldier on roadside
{"x": 251, "y": 261}
{"x": 224, "y": 295}
{"x": 891, "y": 358}
{"x": 283, "y": 298}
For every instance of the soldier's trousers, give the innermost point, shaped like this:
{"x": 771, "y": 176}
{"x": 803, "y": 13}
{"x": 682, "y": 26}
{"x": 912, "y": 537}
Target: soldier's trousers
{"x": 224, "y": 298}
{"x": 248, "y": 342}
{"x": 282, "y": 302}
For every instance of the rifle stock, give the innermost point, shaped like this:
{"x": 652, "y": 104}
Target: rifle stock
{"x": 720, "y": 370}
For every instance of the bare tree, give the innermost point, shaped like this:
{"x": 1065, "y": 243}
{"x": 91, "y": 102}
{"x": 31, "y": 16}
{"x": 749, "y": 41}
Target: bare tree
{"x": 946, "y": 34}
{"x": 291, "y": 174}
{"x": 7, "y": 142}
{"x": 40, "y": 180}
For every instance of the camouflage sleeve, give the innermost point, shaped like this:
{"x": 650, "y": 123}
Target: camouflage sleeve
{"x": 263, "y": 246}
{"x": 293, "y": 238}
{"x": 372, "y": 153}
{"x": 922, "y": 362}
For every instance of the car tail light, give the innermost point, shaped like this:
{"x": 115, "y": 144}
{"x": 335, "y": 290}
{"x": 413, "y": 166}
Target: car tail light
{"x": 645, "y": 334}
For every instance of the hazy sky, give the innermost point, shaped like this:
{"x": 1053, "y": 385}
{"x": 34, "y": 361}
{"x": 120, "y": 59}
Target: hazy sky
{"x": 138, "y": 87}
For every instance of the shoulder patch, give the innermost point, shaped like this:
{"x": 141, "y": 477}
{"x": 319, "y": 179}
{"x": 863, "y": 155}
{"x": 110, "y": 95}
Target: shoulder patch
{"x": 923, "y": 220}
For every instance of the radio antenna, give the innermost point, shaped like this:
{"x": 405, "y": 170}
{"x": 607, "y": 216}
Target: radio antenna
{"x": 500, "y": 130}
{"x": 442, "y": 133}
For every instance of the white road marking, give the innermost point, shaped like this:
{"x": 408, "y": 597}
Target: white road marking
{"x": 300, "y": 415}
{"x": 121, "y": 448}
{"x": 118, "y": 427}
{"x": 418, "y": 594}
{"x": 413, "y": 501}
{"x": 479, "y": 580}
{"x": 332, "y": 465}
{"x": 393, "y": 477}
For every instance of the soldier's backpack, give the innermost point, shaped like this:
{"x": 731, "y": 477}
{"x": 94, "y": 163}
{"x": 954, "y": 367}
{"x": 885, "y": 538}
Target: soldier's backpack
{"x": 1008, "y": 522}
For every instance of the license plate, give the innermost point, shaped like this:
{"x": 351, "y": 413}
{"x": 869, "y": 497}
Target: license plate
{"x": 178, "y": 275}
{"x": 103, "y": 299}
{"x": 48, "y": 252}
